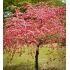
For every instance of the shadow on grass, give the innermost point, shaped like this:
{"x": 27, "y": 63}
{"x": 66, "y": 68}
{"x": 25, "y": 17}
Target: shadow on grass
{"x": 19, "y": 67}
{"x": 53, "y": 68}
{"x": 26, "y": 67}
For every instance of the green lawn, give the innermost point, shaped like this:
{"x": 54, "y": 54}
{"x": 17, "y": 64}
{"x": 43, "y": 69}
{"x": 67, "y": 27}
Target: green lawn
{"x": 49, "y": 59}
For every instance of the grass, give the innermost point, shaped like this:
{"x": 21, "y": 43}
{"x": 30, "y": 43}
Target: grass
{"x": 49, "y": 59}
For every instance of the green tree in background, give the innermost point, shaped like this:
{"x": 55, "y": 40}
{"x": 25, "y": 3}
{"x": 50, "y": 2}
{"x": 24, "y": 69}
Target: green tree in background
{"x": 7, "y": 3}
{"x": 10, "y": 5}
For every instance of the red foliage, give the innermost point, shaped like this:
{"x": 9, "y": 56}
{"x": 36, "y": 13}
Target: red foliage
{"x": 38, "y": 24}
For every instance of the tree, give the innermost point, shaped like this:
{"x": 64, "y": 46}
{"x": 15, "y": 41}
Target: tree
{"x": 39, "y": 24}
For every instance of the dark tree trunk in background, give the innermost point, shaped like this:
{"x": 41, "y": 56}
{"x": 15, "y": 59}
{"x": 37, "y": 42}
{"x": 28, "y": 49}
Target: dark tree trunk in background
{"x": 36, "y": 58}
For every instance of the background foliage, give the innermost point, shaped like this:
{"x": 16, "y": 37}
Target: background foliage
{"x": 10, "y": 5}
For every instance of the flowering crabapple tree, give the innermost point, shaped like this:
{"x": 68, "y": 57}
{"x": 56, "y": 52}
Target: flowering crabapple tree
{"x": 39, "y": 24}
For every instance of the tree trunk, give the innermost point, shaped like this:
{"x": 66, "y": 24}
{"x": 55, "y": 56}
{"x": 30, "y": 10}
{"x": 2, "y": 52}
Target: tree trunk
{"x": 36, "y": 58}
